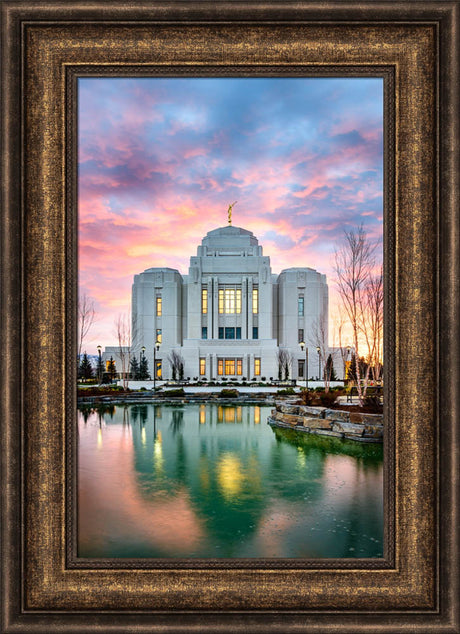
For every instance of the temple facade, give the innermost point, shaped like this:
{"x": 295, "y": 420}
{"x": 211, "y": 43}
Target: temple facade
{"x": 230, "y": 317}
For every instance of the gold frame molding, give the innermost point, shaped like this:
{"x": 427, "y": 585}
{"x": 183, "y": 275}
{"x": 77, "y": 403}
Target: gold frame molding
{"x": 414, "y": 46}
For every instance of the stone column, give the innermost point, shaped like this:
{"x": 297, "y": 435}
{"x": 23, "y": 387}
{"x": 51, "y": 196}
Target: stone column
{"x": 244, "y": 308}
{"x": 215, "y": 332}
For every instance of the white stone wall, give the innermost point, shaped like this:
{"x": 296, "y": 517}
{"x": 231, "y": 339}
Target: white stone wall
{"x": 227, "y": 256}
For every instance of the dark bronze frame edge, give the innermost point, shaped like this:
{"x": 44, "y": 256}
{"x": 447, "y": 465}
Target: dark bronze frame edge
{"x": 447, "y": 619}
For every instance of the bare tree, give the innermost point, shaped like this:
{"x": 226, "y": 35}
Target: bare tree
{"x": 319, "y": 338}
{"x": 177, "y": 365}
{"x": 284, "y": 358}
{"x": 373, "y": 323}
{"x": 86, "y": 315}
{"x": 354, "y": 262}
{"x": 338, "y": 338}
{"x": 123, "y": 333}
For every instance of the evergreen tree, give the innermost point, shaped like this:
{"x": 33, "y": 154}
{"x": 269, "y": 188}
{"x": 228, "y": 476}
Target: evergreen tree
{"x": 330, "y": 371}
{"x": 111, "y": 370}
{"x": 86, "y": 369}
{"x": 144, "y": 373}
{"x": 135, "y": 369}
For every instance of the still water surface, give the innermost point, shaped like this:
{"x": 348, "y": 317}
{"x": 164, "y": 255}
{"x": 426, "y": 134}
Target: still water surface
{"x": 217, "y": 481}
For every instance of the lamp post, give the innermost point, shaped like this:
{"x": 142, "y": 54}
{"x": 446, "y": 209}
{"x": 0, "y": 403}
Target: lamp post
{"x": 99, "y": 367}
{"x": 302, "y": 346}
{"x": 318, "y": 350}
{"x": 156, "y": 348}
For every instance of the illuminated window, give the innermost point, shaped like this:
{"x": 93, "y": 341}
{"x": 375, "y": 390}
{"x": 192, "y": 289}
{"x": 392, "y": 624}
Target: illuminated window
{"x": 301, "y": 306}
{"x": 255, "y": 300}
{"x": 229, "y": 300}
{"x": 301, "y": 335}
{"x": 204, "y": 301}
{"x": 202, "y": 366}
{"x": 257, "y": 367}
{"x": 238, "y": 300}
{"x": 159, "y": 335}
{"x": 255, "y": 332}
{"x": 228, "y": 367}
{"x": 204, "y": 332}
{"x": 159, "y": 307}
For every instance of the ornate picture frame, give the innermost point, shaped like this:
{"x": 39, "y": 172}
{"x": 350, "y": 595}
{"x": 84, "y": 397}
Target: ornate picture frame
{"x": 45, "y": 47}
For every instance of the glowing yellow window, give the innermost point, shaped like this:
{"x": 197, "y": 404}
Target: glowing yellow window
{"x": 204, "y": 301}
{"x": 257, "y": 367}
{"x": 255, "y": 301}
{"x": 238, "y": 300}
{"x": 229, "y": 366}
{"x": 220, "y": 367}
{"x": 159, "y": 307}
{"x": 229, "y": 300}
{"x": 239, "y": 366}
{"x": 202, "y": 366}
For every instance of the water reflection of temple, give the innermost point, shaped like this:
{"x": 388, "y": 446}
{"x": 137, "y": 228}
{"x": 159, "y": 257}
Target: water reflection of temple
{"x": 237, "y": 476}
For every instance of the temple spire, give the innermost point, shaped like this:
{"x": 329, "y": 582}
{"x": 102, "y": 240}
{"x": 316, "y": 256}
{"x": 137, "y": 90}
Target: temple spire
{"x": 230, "y": 207}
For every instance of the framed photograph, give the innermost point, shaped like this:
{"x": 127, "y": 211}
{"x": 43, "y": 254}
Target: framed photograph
{"x": 155, "y": 161}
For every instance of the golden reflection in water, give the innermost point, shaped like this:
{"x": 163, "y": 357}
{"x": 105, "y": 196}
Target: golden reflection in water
{"x": 158, "y": 453}
{"x": 229, "y": 475}
{"x": 143, "y": 436}
{"x": 301, "y": 458}
{"x": 229, "y": 414}
{"x": 256, "y": 415}
{"x": 204, "y": 473}
{"x": 202, "y": 414}
{"x": 99, "y": 438}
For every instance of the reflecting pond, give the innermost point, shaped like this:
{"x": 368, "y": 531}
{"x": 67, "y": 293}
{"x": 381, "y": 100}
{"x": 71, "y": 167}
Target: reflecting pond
{"x": 210, "y": 480}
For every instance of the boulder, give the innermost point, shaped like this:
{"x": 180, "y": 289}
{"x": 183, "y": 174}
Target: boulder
{"x": 311, "y": 411}
{"x": 373, "y": 431}
{"x": 358, "y": 417}
{"x": 336, "y": 414}
{"x": 316, "y": 423}
{"x": 325, "y": 432}
{"x": 289, "y": 409}
{"x": 348, "y": 428}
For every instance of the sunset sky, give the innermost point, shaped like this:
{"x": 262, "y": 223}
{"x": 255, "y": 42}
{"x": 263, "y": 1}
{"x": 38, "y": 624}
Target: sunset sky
{"x": 160, "y": 160}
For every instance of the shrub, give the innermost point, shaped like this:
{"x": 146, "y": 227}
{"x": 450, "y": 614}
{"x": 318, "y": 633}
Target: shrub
{"x": 179, "y": 392}
{"x": 143, "y": 389}
{"x": 373, "y": 403}
{"x": 328, "y": 398}
{"x": 307, "y": 396}
{"x": 229, "y": 393}
{"x": 287, "y": 392}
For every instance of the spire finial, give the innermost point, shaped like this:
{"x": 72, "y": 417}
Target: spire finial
{"x": 230, "y": 207}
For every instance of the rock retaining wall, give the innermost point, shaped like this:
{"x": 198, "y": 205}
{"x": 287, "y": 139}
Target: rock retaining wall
{"x": 328, "y": 422}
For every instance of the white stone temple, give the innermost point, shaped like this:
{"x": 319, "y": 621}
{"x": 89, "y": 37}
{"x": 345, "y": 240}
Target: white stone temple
{"x": 230, "y": 316}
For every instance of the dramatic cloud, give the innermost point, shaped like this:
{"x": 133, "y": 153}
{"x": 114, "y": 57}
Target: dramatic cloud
{"x": 161, "y": 159}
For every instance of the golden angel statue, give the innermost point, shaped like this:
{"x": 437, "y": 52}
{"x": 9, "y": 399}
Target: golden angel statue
{"x": 230, "y": 207}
